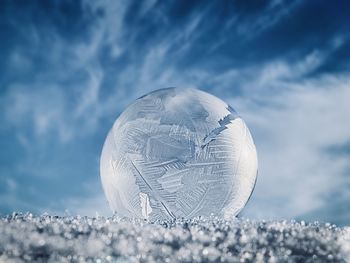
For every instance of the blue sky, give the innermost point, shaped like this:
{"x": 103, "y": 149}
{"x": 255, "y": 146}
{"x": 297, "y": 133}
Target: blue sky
{"x": 68, "y": 68}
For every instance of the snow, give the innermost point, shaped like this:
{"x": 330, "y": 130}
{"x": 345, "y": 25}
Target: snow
{"x": 46, "y": 238}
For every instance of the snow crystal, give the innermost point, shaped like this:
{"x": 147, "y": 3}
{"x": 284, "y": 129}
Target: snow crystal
{"x": 28, "y": 238}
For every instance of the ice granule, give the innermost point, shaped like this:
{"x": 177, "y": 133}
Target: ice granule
{"x": 28, "y": 238}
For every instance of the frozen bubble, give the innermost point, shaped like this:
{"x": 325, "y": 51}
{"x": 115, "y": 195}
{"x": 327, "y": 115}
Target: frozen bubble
{"x": 178, "y": 153}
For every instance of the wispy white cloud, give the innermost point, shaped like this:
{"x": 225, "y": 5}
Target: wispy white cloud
{"x": 274, "y": 12}
{"x": 40, "y": 109}
{"x": 43, "y": 101}
{"x": 295, "y": 170}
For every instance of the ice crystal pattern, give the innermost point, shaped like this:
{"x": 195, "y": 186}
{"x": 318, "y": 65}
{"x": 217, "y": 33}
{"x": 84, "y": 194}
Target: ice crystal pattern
{"x": 178, "y": 153}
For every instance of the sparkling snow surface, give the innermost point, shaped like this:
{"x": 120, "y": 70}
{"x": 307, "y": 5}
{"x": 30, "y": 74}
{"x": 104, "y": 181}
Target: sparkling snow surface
{"x": 26, "y": 238}
{"x": 178, "y": 153}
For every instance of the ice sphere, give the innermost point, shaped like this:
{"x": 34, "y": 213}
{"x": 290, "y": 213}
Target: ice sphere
{"x": 178, "y": 153}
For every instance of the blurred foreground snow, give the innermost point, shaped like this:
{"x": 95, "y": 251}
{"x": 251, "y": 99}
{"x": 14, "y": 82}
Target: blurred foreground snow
{"x": 28, "y": 238}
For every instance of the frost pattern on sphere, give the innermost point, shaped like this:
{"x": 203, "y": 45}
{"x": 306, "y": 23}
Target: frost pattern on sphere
{"x": 178, "y": 153}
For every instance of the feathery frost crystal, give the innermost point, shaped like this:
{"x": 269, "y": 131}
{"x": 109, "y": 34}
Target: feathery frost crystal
{"x": 177, "y": 153}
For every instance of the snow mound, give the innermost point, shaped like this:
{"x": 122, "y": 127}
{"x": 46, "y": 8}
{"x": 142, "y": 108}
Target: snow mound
{"x": 28, "y": 238}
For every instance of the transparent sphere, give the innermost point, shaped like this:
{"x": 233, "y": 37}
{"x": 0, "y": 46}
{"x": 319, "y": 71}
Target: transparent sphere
{"x": 178, "y": 153}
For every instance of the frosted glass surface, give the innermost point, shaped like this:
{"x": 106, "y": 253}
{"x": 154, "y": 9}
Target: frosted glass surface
{"x": 177, "y": 153}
